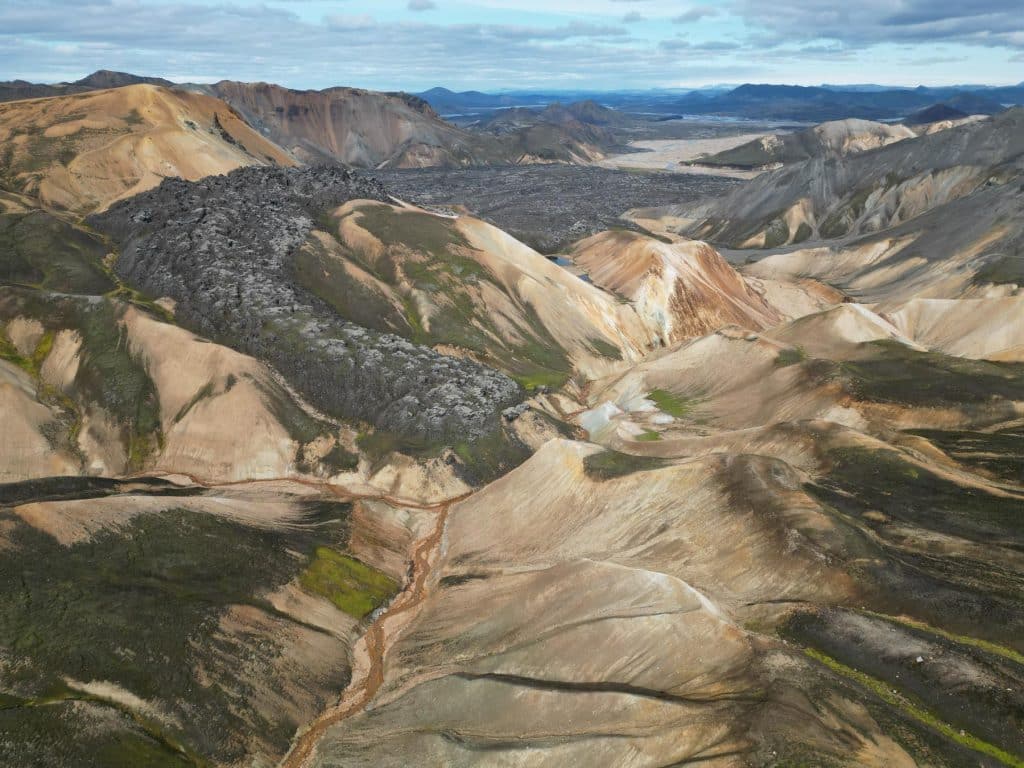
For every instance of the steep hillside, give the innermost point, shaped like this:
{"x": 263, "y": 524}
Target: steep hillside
{"x": 830, "y": 197}
{"x": 680, "y": 289}
{"x": 239, "y": 286}
{"x": 197, "y": 626}
{"x": 458, "y": 283}
{"x": 842, "y": 137}
{"x": 294, "y": 473}
{"x": 934, "y": 114}
{"x": 14, "y": 90}
{"x": 819, "y": 103}
{"x": 365, "y": 129}
{"x": 576, "y": 132}
{"x": 967, "y": 248}
{"x": 83, "y": 152}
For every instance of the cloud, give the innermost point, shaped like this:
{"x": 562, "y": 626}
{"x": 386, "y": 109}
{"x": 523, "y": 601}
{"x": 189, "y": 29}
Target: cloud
{"x": 282, "y": 41}
{"x": 422, "y": 5}
{"x": 695, "y": 14}
{"x": 993, "y": 23}
{"x": 274, "y": 43}
{"x": 633, "y": 17}
{"x": 711, "y": 46}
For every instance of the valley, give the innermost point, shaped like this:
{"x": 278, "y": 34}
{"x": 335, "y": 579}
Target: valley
{"x": 337, "y": 434}
{"x": 680, "y": 155}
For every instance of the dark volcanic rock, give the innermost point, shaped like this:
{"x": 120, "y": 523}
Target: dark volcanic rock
{"x": 222, "y": 249}
{"x": 549, "y": 207}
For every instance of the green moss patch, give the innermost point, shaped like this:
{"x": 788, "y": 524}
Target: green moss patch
{"x": 354, "y": 587}
{"x": 1002, "y": 270}
{"x": 205, "y": 392}
{"x": 41, "y": 250}
{"x": 10, "y": 353}
{"x": 140, "y": 607}
{"x": 34, "y": 735}
{"x": 803, "y": 232}
{"x": 914, "y": 709}
{"x": 790, "y": 356}
{"x": 862, "y": 480}
{"x": 112, "y": 377}
{"x": 776, "y": 234}
{"x": 609, "y": 465}
{"x": 674, "y": 405}
{"x": 302, "y": 427}
{"x": 985, "y": 645}
{"x": 339, "y": 459}
{"x": 606, "y": 349}
{"x": 491, "y": 456}
{"x": 894, "y": 373}
{"x": 317, "y": 270}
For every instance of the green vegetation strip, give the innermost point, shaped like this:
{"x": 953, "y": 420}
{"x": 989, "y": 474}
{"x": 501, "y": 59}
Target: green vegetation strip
{"x": 609, "y": 465}
{"x": 790, "y": 356}
{"x": 885, "y": 692}
{"x": 10, "y": 353}
{"x": 985, "y": 645}
{"x": 354, "y": 587}
{"x": 675, "y": 406}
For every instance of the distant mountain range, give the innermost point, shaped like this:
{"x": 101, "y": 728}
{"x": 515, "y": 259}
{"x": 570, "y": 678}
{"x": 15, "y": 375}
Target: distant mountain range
{"x": 790, "y": 102}
{"x": 764, "y": 102}
{"x": 13, "y": 90}
{"x": 358, "y": 128}
{"x": 417, "y": 129}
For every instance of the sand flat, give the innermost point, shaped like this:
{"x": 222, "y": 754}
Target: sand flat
{"x": 667, "y": 154}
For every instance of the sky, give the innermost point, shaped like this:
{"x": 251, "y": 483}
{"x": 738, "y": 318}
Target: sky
{"x": 553, "y": 45}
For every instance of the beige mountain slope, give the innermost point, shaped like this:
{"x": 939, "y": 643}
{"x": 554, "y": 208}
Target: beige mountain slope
{"x": 944, "y": 125}
{"x": 25, "y": 452}
{"x": 771, "y": 542}
{"x": 371, "y": 129}
{"x": 462, "y": 284}
{"x": 605, "y": 565}
{"x": 612, "y": 623}
{"x": 835, "y": 138}
{"x": 833, "y": 333}
{"x": 194, "y": 401}
{"x": 958, "y": 176}
{"x": 851, "y": 136}
{"x": 845, "y": 365}
{"x": 992, "y": 329}
{"x": 85, "y": 151}
{"x": 209, "y": 395}
{"x": 681, "y": 289}
{"x": 966, "y": 249}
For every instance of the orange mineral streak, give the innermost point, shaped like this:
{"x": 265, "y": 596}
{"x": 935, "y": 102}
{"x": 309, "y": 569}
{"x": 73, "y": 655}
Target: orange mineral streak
{"x": 370, "y": 652}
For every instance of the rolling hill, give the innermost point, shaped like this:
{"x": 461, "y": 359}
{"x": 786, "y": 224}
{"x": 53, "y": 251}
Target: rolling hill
{"x": 295, "y": 473}
{"x": 83, "y": 152}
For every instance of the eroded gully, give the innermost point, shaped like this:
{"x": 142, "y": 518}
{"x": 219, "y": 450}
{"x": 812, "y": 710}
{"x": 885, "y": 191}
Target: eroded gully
{"x": 371, "y": 649}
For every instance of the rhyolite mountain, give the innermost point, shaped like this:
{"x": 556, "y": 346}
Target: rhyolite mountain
{"x": 301, "y": 470}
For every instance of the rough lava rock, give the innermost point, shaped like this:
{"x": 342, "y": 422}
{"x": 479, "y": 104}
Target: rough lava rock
{"x": 222, "y": 248}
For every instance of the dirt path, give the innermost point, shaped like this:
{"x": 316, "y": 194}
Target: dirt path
{"x": 370, "y": 651}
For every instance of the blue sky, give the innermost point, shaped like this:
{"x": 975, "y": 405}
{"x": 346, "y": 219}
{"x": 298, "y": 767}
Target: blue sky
{"x": 543, "y": 44}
